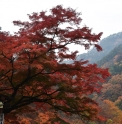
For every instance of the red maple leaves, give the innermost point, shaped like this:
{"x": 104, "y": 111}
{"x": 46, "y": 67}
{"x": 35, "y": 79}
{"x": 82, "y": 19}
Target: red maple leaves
{"x": 32, "y": 67}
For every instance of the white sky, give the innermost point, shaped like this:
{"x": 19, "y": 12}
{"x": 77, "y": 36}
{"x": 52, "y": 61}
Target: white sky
{"x": 100, "y": 15}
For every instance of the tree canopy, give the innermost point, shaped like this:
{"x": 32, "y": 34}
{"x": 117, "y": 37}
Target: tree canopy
{"x": 32, "y": 68}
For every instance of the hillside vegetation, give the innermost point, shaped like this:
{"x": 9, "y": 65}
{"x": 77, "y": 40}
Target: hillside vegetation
{"x": 110, "y": 99}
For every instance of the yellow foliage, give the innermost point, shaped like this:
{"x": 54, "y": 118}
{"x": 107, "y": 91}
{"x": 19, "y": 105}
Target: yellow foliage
{"x": 115, "y": 112}
{"x": 43, "y": 118}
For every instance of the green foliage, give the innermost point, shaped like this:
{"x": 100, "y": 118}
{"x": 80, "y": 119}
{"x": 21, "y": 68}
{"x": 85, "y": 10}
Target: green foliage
{"x": 109, "y": 121}
{"x": 119, "y": 104}
{"x": 116, "y": 68}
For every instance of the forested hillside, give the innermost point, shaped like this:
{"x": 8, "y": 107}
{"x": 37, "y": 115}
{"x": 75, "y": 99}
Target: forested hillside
{"x": 108, "y": 44}
{"x": 113, "y": 58}
{"x": 110, "y": 99}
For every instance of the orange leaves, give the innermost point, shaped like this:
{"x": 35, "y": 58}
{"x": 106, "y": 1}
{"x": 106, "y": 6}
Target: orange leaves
{"x": 45, "y": 117}
{"x": 113, "y": 112}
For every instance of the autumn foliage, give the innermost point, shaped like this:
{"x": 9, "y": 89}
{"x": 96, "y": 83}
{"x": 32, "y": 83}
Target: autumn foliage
{"x": 32, "y": 68}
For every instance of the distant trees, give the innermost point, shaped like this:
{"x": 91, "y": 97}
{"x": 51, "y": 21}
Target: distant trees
{"x": 112, "y": 112}
{"x": 112, "y": 89}
{"x": 113, "y": 57}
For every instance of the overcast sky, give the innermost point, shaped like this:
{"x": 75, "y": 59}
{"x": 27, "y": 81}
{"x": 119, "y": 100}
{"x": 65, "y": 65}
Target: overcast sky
{"x": 100, "y": 15}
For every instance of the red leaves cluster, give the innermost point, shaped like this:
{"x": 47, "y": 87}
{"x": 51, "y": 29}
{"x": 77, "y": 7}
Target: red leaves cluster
{"x": 32, "y": 67}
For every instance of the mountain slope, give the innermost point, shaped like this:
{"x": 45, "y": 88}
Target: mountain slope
{"x": 108, "y": 44}
{"x": 114, "y": 57}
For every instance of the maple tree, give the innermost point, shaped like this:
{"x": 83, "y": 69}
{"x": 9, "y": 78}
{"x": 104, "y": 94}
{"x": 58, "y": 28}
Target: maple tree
{"x": 32, "y": 68}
